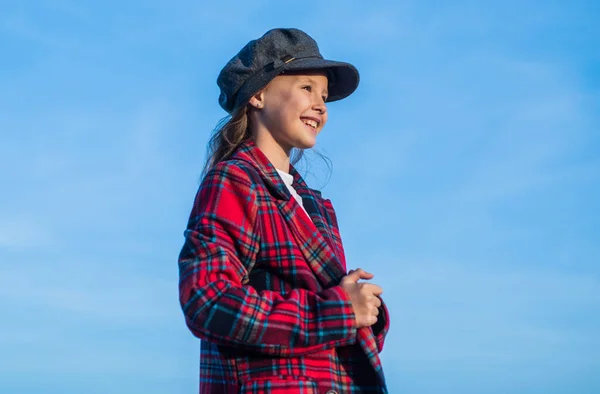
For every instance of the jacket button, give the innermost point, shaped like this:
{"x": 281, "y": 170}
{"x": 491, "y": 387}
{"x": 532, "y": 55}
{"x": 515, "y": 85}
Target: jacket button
{"x": 331, "y": 392}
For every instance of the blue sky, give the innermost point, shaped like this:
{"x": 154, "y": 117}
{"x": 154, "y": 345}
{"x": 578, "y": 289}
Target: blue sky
{"x": 466, "y": 176}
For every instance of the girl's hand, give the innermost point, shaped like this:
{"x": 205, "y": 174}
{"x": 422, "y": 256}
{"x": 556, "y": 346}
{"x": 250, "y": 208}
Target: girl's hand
{"x": 364, "y": 296}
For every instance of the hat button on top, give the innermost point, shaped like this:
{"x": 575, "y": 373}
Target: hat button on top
{"x": 331, "y": 392}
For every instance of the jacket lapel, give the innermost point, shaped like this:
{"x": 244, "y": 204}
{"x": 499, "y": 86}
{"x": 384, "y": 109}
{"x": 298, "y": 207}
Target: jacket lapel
{"x": 313, "y": 241}
{"x": 312, "y": 233}
{"x": 366, "y": 340}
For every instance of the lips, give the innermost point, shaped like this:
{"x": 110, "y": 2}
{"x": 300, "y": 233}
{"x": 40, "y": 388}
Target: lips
{"x": 311, "y": 122}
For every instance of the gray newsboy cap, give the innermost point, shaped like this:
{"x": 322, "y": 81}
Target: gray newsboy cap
{"x": 278, "y": 51}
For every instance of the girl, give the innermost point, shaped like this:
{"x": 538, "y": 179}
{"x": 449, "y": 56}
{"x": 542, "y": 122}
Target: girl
{"x": 263, "y": 278}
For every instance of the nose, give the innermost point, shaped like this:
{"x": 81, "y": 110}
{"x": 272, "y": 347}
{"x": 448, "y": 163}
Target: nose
{"x": 320, "y": 106}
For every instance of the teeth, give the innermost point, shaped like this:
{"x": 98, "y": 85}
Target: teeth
{"x": 311, "y": 123}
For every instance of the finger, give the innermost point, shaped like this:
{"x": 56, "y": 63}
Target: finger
{"x": 364, "y": 274}
{"x": 354, "y": 276}
{"x": 368, "y": 274}
{"x": 372, "y": 320}
{"x": 373, "y": 289}
{"x": 377, "y": 302}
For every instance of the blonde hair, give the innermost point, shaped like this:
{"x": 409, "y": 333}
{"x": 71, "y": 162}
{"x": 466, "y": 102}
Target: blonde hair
{"x": 230, "y": 133}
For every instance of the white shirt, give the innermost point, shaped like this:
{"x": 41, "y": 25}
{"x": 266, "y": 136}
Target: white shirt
{"x": 288, "y": 179}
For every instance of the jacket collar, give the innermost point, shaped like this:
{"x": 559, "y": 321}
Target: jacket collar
{"x": 250, "y": 153}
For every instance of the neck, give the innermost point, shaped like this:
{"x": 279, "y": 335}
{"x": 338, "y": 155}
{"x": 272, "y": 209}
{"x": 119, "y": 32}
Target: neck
{"x": 277, "y": 155}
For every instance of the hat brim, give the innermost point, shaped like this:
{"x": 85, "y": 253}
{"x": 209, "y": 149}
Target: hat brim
{"x": 343, "y": 77}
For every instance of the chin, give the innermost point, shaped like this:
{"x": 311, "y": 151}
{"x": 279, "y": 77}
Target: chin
{"x": 306, "y": 144}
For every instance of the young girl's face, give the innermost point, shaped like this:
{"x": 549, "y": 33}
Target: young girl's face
{"x": 293, "y": 109}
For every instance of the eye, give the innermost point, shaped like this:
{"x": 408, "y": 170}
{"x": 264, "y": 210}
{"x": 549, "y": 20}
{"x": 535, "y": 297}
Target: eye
{"x": 307, "y": 88}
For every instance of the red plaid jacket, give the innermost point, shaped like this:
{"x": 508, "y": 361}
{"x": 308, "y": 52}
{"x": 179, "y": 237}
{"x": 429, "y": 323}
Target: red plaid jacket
{"x": 259, "y": 285}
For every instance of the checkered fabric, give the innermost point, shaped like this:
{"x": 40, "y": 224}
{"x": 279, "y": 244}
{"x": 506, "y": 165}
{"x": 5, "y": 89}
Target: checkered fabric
{"x": 259, "y": 285}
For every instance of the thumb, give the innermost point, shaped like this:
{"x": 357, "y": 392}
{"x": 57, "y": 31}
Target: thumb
{"x": 354, "y": 275}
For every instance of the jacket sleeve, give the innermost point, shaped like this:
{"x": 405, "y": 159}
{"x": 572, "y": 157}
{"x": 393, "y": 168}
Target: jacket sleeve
{"x": 221, "y": 244}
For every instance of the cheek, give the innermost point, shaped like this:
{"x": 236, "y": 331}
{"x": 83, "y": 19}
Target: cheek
{"x": 284, "y": 110}
{"x": 291, "y": 110}
{"x": 280, "y": 118}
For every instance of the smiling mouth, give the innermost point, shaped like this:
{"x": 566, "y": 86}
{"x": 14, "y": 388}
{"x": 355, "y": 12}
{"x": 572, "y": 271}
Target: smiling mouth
{"x": 311, "y": 123}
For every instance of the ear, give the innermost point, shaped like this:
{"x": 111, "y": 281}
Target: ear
{"x": 257, "y": 100}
